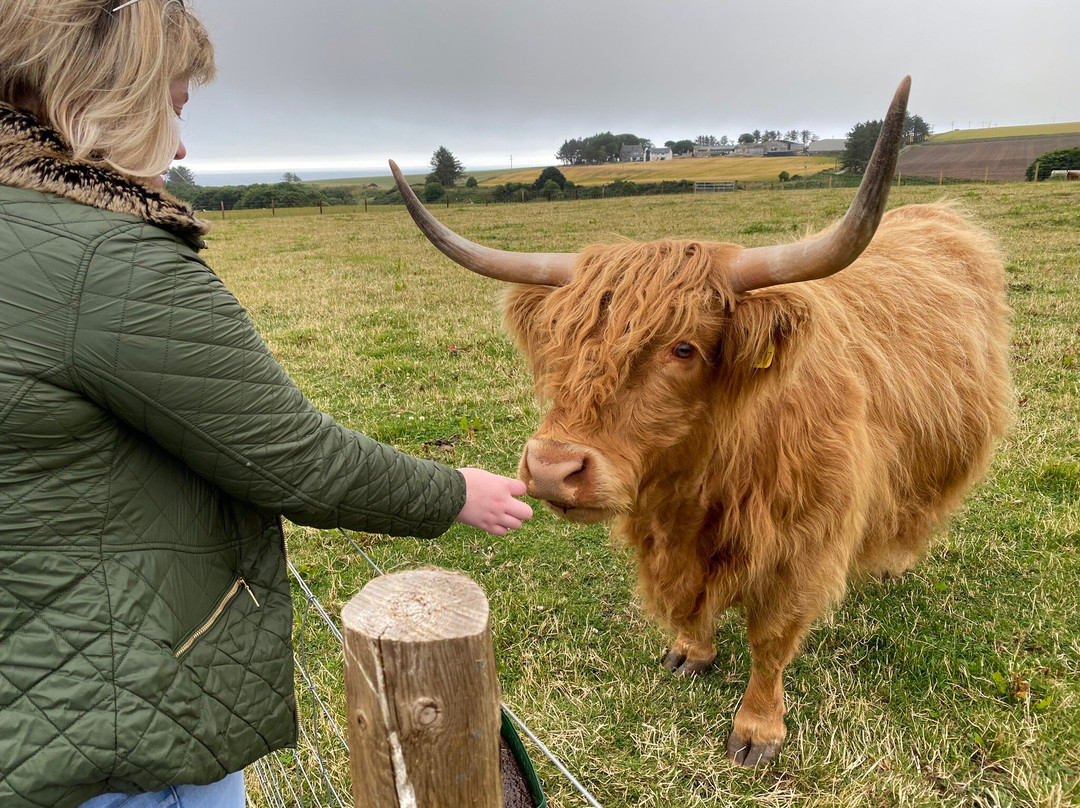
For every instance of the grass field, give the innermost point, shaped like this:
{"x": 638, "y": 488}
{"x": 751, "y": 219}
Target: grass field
{"x": 997, "y": 132}
{"x": 696, "y": 170}
{"x": 958, "y": 685}
{"x": 699, "y": 169}
{"x": 486, "y": 177}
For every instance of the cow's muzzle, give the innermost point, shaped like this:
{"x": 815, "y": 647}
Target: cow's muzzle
{"x": 573, "y": 480}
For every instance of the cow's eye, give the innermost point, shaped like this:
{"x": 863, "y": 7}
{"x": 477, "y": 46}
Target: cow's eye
{"x": 684, "y": 350}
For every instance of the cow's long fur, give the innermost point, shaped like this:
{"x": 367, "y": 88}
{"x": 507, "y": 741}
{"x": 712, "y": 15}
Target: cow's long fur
{"x": 772, "y": 487}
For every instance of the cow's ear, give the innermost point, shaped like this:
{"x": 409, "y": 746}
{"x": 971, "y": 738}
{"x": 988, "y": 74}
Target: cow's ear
{"x": 520, "y": 303}
{"x": 766, "y": 331}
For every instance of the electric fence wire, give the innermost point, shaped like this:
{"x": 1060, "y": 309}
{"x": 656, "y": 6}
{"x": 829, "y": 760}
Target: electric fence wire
{"x": 302, "y": 778}
{"x": 521, "y": 725}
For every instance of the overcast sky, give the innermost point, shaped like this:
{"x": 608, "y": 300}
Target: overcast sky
{"x": 314, "y": 84}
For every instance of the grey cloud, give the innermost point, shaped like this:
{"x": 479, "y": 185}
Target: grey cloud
{"x": 360, "y": 81}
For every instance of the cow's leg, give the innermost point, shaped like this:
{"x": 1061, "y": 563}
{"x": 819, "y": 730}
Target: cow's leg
{"x": 694, "y": 620}
{"x": 694, "y": 649}
{"x": 685, "y": 593}
{"x": 759, "y": 731}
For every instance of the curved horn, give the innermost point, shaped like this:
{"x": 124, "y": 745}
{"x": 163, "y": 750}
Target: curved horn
{"x": 547, "y": 269}
{"x": 757, "y": 267}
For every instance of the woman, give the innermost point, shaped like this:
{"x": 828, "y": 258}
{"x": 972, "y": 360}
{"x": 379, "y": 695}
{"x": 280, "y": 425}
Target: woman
{"x": 149, "y": 443}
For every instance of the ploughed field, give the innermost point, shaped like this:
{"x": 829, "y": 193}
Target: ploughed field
{"x": 957, "y": 685}
{"x": 1003, "y": 159}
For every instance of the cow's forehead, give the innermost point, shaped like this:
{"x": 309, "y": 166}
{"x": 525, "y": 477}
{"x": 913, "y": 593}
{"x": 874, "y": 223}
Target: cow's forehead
{"x": 652, "y": 287}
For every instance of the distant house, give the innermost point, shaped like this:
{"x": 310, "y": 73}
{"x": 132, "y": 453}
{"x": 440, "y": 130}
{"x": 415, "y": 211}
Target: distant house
{"x": 658, "y": 153}
{"x": 771, "y": 148}
{"x": 632, "y": 153}
{"x": 713, "y": 151}
{"x": 828, "y": 146}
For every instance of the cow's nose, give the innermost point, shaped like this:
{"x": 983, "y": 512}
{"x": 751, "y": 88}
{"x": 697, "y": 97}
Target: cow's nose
{"x": 556, "y": 471}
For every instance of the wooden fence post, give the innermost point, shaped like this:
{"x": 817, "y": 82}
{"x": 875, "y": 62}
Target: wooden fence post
{"x": 320, "y": 206}
{"x": 422, "y": 693}
{"x": 222, "y": 208}
{"x": 1035, "y": 177}
{"x": 273, "y": 207}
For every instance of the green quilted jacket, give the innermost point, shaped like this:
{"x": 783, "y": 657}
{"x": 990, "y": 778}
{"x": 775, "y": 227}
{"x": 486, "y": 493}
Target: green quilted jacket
{"x": 149, "y": 445}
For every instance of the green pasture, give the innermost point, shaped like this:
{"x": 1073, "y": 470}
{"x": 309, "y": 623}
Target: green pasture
{"x": 998, "y": 132}
{"x": 958, "y": 685}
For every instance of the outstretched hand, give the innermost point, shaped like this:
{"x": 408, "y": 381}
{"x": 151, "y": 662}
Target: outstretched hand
{"x": 490, "y": 503}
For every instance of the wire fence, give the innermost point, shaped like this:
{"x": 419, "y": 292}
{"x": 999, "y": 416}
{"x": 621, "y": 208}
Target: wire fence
{"x": 316, "y": 773}
{"x": 292, "y": 198}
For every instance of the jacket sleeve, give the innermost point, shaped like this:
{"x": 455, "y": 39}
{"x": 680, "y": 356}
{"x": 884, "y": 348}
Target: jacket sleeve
{"x": 164, "y": 346}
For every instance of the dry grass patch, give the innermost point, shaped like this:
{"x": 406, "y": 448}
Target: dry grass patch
{"x": 698, "y": 169}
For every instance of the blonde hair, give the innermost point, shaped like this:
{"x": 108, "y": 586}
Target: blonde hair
{"x": 101, "y": 78}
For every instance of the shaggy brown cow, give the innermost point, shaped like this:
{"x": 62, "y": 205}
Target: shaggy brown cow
{"x": 758, "y": 439}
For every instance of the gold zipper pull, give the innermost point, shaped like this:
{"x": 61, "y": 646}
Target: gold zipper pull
{"x": 244, "y": 584}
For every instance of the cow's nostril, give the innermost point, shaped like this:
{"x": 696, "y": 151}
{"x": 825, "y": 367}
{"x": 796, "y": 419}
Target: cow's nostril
{"x": 580, "y": 472}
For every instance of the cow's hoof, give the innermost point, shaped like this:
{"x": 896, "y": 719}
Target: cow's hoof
{"x": 743, "y": 752}
{"x": 680, "y": 665}
{"x": 673, "y": 659}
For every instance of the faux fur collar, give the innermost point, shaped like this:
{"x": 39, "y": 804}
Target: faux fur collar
{"x": 35, "y": 158}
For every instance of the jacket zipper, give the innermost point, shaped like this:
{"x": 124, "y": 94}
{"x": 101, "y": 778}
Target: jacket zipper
{"x": 238, "y": 584}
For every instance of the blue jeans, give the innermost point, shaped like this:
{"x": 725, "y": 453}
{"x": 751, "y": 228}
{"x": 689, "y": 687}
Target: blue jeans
{"x": 227, "y": 793}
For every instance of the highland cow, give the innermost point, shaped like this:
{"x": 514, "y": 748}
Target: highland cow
{"x": 759, "y": 425}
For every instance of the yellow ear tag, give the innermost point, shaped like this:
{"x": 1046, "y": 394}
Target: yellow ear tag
{"x": 767, "y": 357}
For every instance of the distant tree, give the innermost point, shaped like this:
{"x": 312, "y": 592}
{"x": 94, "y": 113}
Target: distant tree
{"x": 602, "y": 147}
{"x": 181, "y": 174}
{"x": 807, "y": 137}
{"x": 337, "y": 194}
{"x": 784, "y": 176}
{"x": 1057, "y": 159}
{"x": 550, "y": 187}
{"x": 572, "y": 152}
{"x": 281, "y": 194}
{"x": 916, "y": 130}
{"x": 628, "y": 139}
{"x": 724, "y": 140}
{"x": 470, "y": 182}
{"x": 746, "y": 137}
{"x": 549, "y": 174}
{"x": 433, "y": 190}
{"x": 860, "y": 145}
{"x": 180, "y": 182}
{"x": 757, "y": 135}
{"x": 445, "y": 167}
{"x": 680, "y": 146}
{"x": 706, "y": 140}
{"x": 770, "y": 134}
{"x": 288, "y": 176}
{"x": 792, "y": 135}
{"x": 213, "y": 198}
